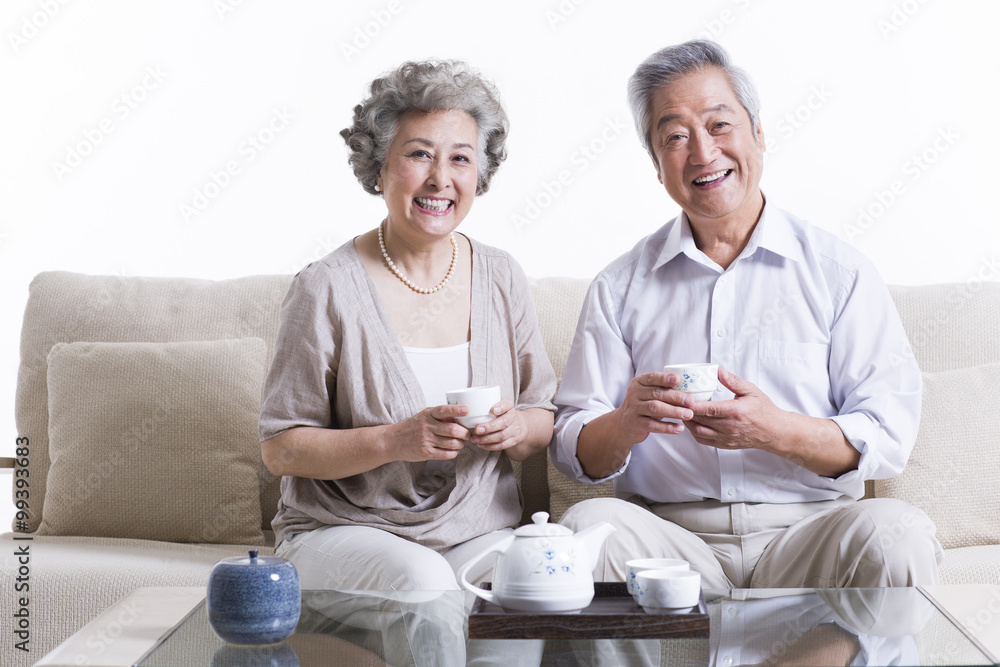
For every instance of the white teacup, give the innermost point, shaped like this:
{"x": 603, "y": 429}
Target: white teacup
{"x": 668, "y": 589}
{"x": 636, "y": 565}
{"x": 699, "y": 380}
{"x": 480, "y": 401}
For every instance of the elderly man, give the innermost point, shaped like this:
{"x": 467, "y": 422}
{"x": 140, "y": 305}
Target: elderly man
{"x": 758, "y": 487}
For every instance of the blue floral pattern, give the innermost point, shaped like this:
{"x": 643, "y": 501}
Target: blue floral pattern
{"x": 693, "y": 383}
{"x": 552, "y": 562}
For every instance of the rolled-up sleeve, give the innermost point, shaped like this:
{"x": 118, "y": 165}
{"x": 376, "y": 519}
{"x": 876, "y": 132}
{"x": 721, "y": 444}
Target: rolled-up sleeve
{"x": 875, "y": 380}
{"x": 301, "y": 381}
{"x": 598, "y": 372}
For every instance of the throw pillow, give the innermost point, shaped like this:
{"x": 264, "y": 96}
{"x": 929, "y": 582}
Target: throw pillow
{"x": 954, "y": 472}
{"x": 155, "y": 441}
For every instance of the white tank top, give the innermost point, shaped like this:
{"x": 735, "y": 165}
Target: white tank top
{"x": 440, "y": 369}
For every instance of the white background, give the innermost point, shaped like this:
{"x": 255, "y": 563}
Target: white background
{"x": 880, "y": 118}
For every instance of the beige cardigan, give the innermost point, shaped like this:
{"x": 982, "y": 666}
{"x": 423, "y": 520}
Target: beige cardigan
{"x": 338, "y": 364}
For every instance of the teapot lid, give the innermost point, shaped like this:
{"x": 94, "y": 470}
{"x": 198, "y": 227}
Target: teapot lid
{"x": 542, "y": 528}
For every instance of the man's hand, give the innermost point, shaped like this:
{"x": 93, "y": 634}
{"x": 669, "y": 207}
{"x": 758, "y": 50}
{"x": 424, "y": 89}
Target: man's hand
{"x": 649, "y": 399}
{"x": 605, "y": 443}
{"x": 752, "y": 421}
{"x": 749, "y": 421}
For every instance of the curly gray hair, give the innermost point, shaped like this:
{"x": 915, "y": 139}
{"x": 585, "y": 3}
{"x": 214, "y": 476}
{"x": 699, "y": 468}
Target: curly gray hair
{"x": 425, "y": 86}
{"x": 673, "y": 62}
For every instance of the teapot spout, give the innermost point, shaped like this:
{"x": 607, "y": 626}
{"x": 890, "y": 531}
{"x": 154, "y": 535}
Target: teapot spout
{"x": 593, "y": 538}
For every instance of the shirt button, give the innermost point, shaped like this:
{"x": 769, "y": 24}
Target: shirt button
{"x": 732, "y": 611}
{"x": 720, "y": 333}
{"x": 727, "y": 660}
{"x": 731, "y": 491}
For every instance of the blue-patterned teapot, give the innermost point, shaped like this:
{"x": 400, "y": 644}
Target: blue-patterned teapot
{"x": 543, "y": 567}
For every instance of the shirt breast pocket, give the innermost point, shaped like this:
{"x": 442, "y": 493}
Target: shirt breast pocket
{"x": 796, "y": 376}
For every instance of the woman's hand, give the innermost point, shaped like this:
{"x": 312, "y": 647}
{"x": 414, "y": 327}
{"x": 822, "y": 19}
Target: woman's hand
{"x": 520, "y": 432}
{"x": 326, "y": 453}
{"x": 429, "y": 435}
{"x": 506, "y": 430}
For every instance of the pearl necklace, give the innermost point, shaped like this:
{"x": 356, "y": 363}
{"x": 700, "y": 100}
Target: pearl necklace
{"x": 406, "y": 281}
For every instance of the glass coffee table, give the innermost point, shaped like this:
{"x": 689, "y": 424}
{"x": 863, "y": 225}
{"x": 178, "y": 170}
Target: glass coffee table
{"x": 897, "y": 626}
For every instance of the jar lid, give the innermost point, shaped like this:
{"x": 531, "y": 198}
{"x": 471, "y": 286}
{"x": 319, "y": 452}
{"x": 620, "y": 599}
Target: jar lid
{"x": 254, "y": 560}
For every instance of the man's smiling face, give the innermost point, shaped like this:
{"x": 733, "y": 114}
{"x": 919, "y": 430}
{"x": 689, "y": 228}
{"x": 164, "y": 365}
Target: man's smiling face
{"x": 708, "y": 157}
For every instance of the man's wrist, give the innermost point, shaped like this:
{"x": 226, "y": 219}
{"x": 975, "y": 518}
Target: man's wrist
{"x": 815, "y": 443}
{"x": 604, "y": 449}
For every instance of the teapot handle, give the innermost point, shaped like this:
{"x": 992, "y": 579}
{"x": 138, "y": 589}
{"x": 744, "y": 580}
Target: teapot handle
{"x": 464, "y": 570}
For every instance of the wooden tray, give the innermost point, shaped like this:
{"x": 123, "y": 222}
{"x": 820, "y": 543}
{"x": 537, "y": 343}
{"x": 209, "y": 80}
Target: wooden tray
{"x": 612, "y": 614}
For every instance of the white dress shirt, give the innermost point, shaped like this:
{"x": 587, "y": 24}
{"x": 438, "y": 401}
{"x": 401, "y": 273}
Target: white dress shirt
{"x": 800, "y": 314}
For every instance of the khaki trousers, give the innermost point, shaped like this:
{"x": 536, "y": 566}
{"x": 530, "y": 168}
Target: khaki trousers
{"x": 827, "y": 544}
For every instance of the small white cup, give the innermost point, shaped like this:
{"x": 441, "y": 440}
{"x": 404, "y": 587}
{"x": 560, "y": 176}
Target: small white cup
{"x": 668, "y": 589}
{"x": 699, "y": 380}
{"x": 479, "y": 399}
{"x": 636, "y": 565}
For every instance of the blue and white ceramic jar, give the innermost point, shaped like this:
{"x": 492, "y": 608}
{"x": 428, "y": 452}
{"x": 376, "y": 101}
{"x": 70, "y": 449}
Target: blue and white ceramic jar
{"x": 253, "y": 600}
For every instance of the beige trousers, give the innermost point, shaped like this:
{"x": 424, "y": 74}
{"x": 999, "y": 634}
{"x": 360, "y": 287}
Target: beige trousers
{"x": 364, "y": 558}
{"x": 401, "y": 600}
{"x": 826, "y": 544}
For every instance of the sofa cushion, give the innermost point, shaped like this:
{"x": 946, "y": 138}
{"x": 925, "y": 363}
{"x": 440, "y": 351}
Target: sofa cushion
{"x": 127, "y": 421}
{"x": 73, "y": 579}
{"x": 951, "y": 325}
{"x": 65, "y": 307}
{"x": 557, "y": 304}
{"x": 971, "y": 565}
{"x": 957, "y": 489}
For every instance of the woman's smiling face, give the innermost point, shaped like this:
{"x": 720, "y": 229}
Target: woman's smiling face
{"x": 430, "y": 174}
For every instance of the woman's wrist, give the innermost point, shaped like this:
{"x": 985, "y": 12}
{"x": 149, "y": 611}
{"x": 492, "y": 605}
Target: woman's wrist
{"x": 537, "y": 434}
{"x": 382, "y": 440}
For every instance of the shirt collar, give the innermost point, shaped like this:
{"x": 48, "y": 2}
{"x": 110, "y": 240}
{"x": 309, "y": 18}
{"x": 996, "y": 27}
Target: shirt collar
{"x": 774, "y": 232}
{"x": 674, "y": 244}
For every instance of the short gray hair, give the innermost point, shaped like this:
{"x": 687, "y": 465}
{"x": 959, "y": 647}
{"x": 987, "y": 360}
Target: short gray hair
{"x": 434, "y": 85}
{"x": 673, "y": 62}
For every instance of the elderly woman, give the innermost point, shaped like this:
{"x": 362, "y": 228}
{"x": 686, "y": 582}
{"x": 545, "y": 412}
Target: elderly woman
{"x": 381, "y": 488}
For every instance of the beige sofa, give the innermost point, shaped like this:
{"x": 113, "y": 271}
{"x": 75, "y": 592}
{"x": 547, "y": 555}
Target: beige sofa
{"x": 138, "y": 399}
